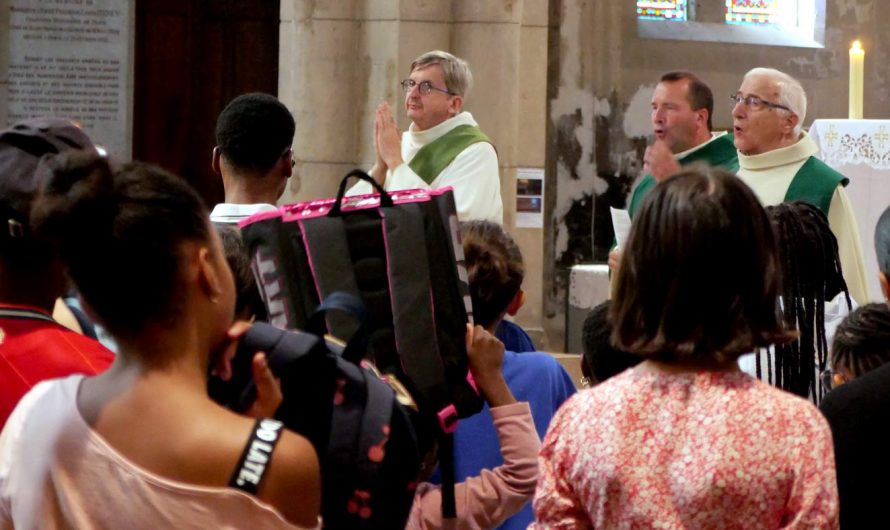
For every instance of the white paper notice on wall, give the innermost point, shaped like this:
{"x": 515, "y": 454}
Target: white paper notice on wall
{"x": 621, "y": 224}
{"x": 529, "y": 198}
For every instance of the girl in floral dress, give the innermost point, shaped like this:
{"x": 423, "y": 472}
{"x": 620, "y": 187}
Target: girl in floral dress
{"x": 686, "y": 440}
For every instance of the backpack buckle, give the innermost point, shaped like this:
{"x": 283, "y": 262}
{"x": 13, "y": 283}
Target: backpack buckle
{"x": 448, "y": 419}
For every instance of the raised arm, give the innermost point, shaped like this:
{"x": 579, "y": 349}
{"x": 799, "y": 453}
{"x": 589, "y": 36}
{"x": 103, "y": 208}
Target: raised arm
{"x": 487, "y": 500}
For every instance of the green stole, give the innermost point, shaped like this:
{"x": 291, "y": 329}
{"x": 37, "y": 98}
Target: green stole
{"x": 719, "y": 152}
{"x": 815, "y": 183}
{"x": 435, "y": 156}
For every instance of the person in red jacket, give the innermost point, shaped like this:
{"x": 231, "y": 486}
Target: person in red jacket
{"x": 33, "y": 346}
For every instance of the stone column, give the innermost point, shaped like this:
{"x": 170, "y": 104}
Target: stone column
{"x": 506, "y": 42}
{"x": 318, "y": 81}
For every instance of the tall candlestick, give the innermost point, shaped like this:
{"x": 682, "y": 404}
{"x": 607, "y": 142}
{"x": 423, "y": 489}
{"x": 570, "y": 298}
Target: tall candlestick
{"x": 857, "y": 58}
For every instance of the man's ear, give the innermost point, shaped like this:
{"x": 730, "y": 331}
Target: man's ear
{"x": 885, "y": 286}
{"x": 455, "y": 105}
{"x": 287, "y": 162}
{"x": 702, "y": 117}
{"x": 214, "y": 161}
{"x": 792, "y": 121}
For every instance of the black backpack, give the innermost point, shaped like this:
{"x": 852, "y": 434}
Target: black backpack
{"x": 361, "y": 426}
{"x": 401, "y": 254}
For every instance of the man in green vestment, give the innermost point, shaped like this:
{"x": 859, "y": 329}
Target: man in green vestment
{"x": 682, "y": 106}
{"x": 443, "y": 146}
{"x": 777, "y": 160}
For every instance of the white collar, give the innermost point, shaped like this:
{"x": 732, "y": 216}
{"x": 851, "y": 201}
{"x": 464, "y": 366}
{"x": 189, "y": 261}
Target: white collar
{"x": 433, "y": 133}
{"x": 796, "y": 152}
{"x": 688, "y": 152}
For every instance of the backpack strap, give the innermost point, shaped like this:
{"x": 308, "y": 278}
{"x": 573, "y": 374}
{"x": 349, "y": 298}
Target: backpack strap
{"x": 257, "y": 453}
{"x": 421, "y": 358}
{"x": 327, "y": 249}
{"x": 446, "y": 472}
{"x": 86, "y": 325}
{"x": 412, "y": 304}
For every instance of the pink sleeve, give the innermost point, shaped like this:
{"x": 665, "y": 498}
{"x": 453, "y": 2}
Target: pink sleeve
{"x": 487, "y": 500}
{"x": 813, "y": 502}
{"x": 556, "y": 505}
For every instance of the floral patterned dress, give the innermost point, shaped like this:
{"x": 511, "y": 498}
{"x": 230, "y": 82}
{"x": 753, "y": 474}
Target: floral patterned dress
{"x": 686, "y": 450}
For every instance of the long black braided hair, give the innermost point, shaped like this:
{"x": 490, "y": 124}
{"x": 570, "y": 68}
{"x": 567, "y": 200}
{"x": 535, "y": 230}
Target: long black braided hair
{"x": 811, "y": 276}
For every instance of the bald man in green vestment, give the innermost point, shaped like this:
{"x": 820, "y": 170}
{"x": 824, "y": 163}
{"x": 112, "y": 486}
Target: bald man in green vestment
{"x": 777, "y": 159}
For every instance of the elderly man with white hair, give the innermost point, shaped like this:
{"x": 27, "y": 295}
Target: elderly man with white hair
{"x": 777, "y": 160}
{"x": 443, "y": 146}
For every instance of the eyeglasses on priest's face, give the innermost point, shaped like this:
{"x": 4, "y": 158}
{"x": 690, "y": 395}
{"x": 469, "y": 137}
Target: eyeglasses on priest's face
{"x": 424, "y": 87}
{"x": 755, "y": 103}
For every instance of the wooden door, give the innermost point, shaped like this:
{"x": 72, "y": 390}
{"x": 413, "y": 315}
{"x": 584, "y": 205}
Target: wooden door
{"x": 193, "y": 57}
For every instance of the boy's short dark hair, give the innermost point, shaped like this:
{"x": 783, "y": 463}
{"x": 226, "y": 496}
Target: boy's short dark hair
{"x": 254, "y": 130}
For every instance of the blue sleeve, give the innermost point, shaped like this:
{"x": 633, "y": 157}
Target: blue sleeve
{"x": 515, "y": 338}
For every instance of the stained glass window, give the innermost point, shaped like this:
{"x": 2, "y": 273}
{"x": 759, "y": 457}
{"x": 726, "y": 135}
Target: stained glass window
{"x": 752, "y": 11}
{"x": 662, "y": 9}
{"x": 794, "y": 18}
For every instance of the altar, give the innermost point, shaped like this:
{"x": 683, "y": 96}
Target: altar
{"x": 860, "y": 150}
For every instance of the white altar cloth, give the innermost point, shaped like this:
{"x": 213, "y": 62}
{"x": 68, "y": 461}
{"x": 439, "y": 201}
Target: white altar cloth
{"x": 860, "y": 150}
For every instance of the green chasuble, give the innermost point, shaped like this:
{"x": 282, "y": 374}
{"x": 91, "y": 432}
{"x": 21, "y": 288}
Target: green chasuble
{"x": 719, "y": 152}
{"x": 435, "y": 156}
{"x": 815, "y": 183}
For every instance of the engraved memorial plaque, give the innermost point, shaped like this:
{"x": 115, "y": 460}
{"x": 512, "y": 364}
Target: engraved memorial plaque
{"x": 73, "y": 59}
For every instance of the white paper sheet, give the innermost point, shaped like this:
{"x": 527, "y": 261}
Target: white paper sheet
{"x": 621, "y": 225}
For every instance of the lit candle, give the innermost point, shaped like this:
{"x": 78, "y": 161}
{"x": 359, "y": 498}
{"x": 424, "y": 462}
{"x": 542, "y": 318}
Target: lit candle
{"x": 857, "y": 58}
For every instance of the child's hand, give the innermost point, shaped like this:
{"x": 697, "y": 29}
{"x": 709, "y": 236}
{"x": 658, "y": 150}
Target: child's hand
{"x": 486, "y": 355}
{"x": 485, "y": 351}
